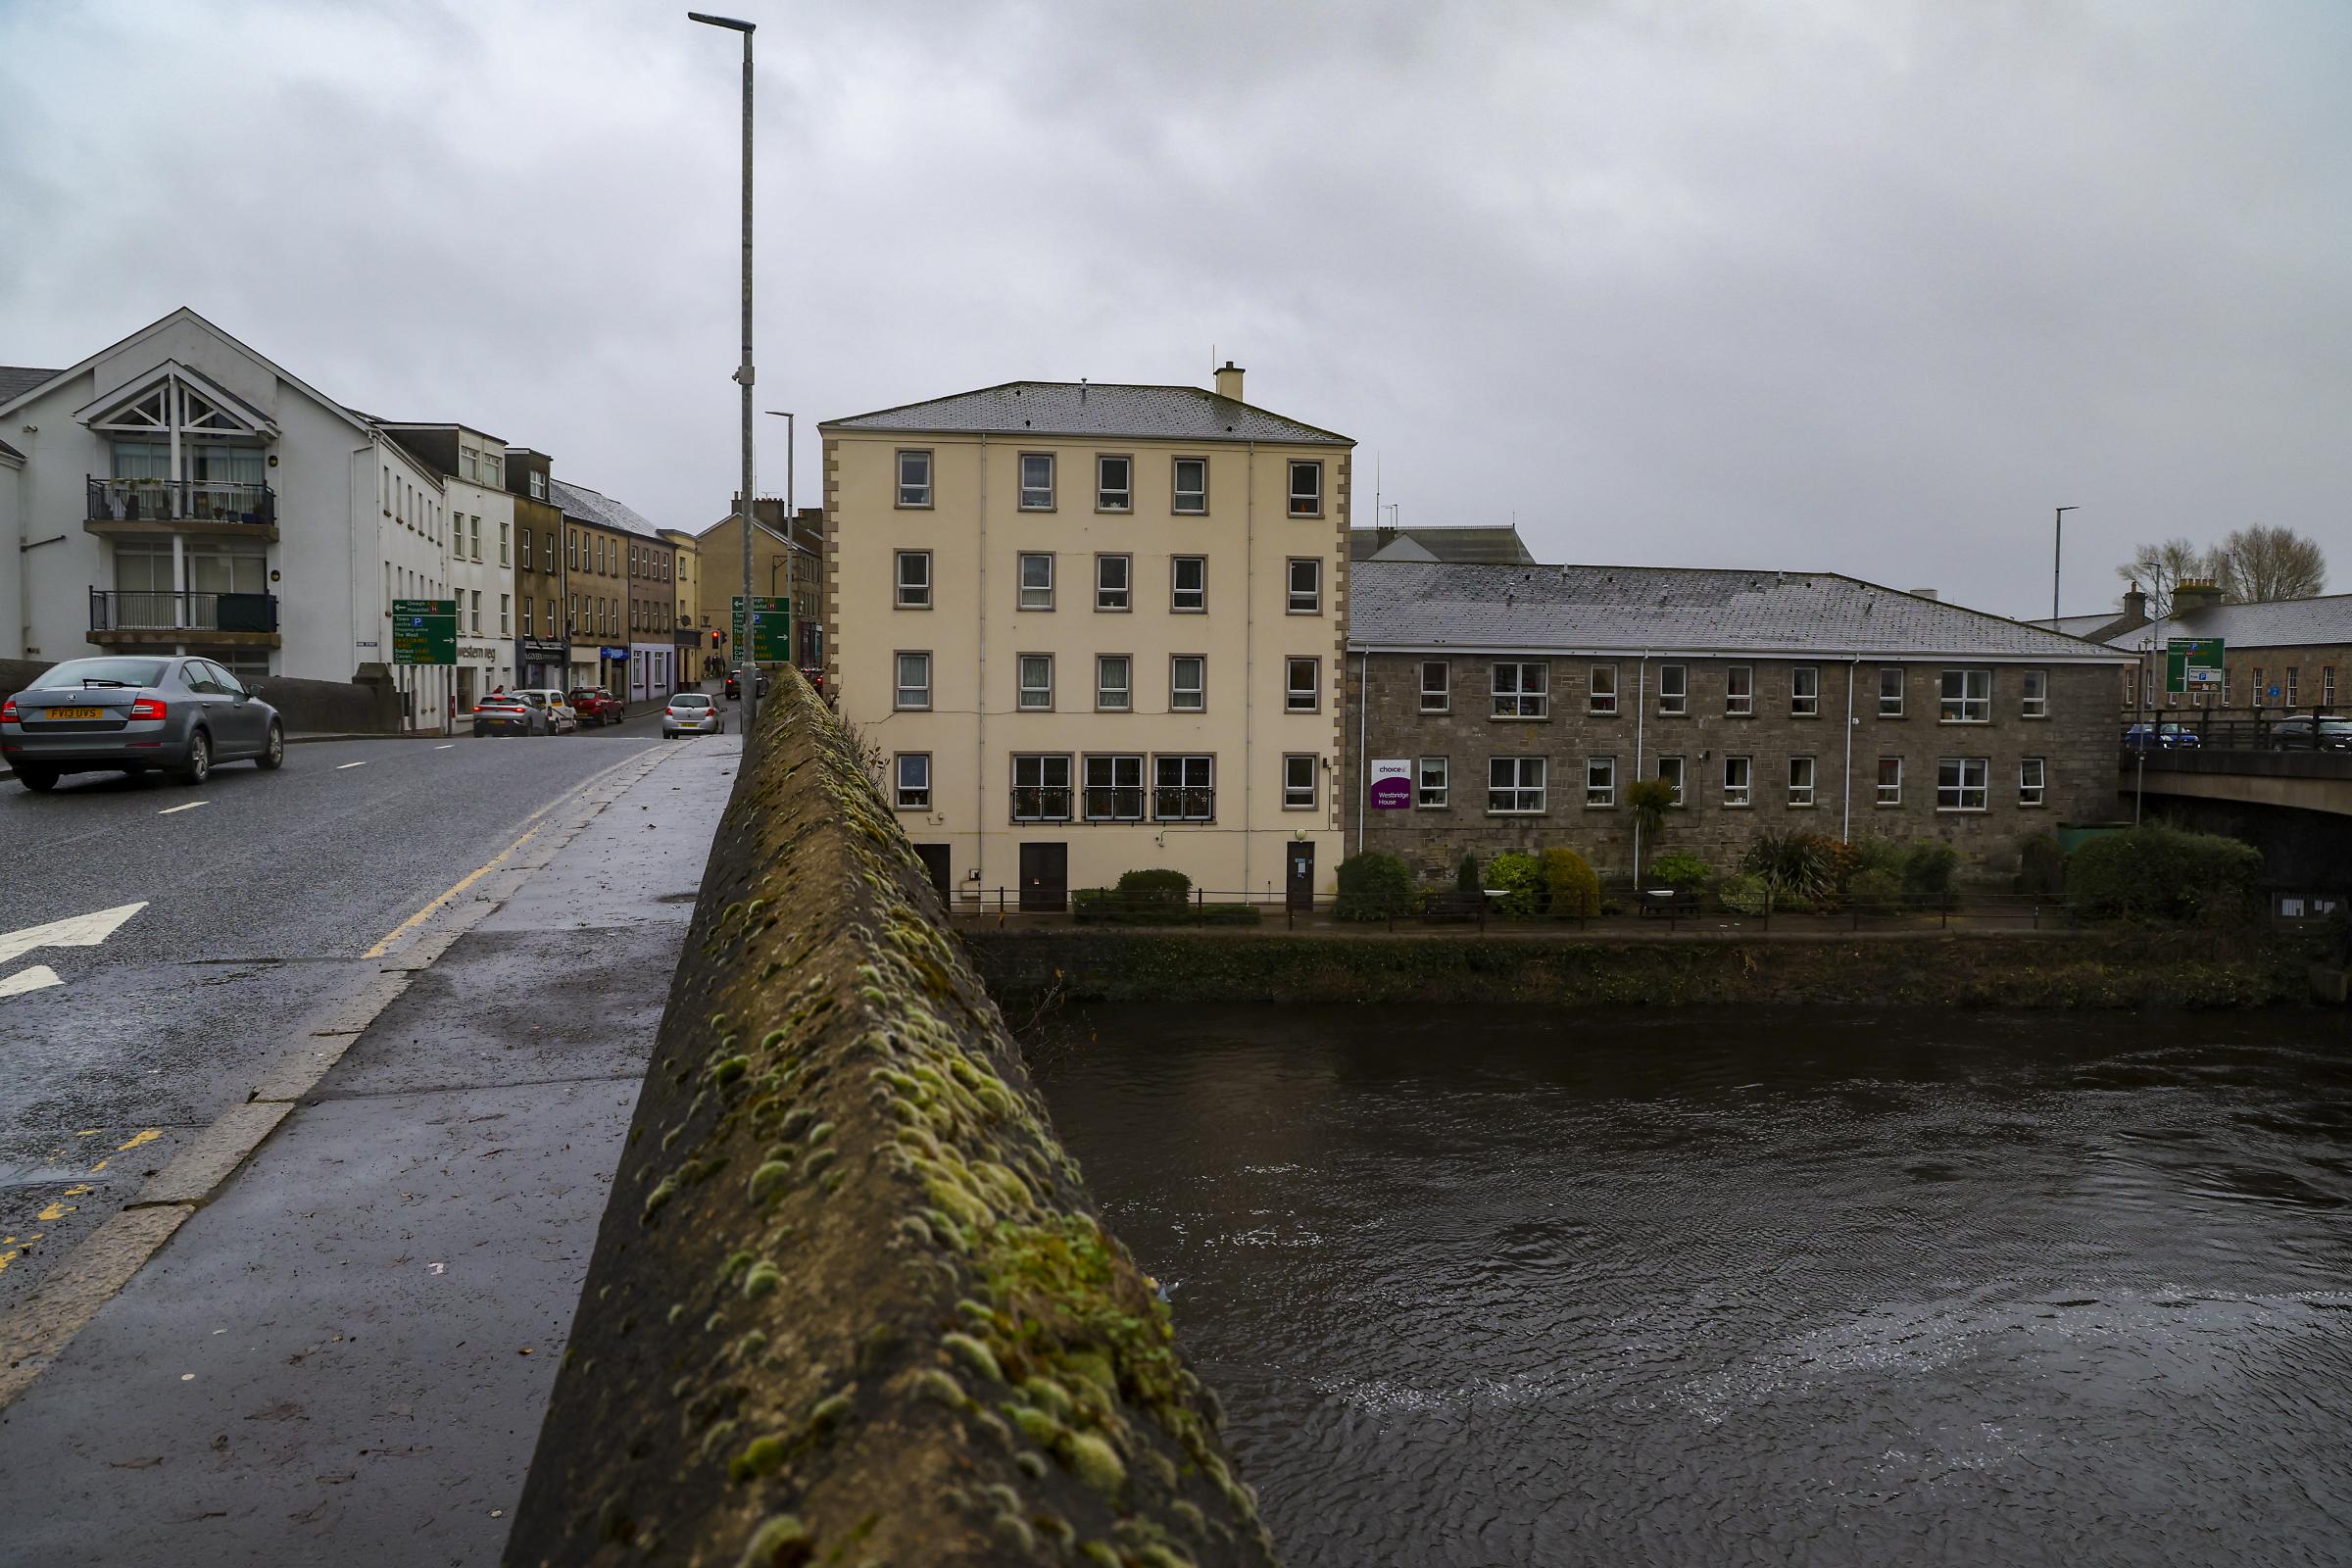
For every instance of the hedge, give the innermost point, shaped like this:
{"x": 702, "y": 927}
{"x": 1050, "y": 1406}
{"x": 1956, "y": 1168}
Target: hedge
{"x": 1112, "y": 907}
{"x": 2162, "y": 873}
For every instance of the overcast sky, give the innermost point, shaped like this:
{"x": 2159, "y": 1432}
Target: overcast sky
{"x": 1863, "y": 286}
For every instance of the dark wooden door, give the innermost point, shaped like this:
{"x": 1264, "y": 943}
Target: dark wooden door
{"x": 935, "y": 861}
{"x": 1301, "y": 881}
{"x": 1045, "y": 876}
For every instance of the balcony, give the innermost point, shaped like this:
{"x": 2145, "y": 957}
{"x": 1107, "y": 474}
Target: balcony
{"x": 148, "y": 618}
{"x": 1040, "y": 803}
{"x": 1172, "y": 802}
{"x": 181, "y": 505}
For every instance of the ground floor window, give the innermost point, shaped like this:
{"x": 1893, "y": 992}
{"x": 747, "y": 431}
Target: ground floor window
{"x": 1961, "y": 783}
{"x": 1298, "y": 782}
{"x": 1114, "y": 789}
{"x": 1429, "y": 783}
{"x": 914, "y": 781}
{"x": 2033, "y": 777}
{"x": 1184, "y": 789}
{"x": 1515, "y": 785}
{"x": 1041, "y": 789}
{"x": 1891, "y": 781}
{"x": 1670, "y": 773}
{"x": 1801, "y": 781}
{"x": 1739, "y": 780}
{"x": 1600, "y": 781}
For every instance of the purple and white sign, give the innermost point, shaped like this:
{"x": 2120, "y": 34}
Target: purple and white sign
{"x": 1392, "y": 784}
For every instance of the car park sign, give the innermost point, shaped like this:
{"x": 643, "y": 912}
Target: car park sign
{"x": 424, "y": 632}
{"x": 2192, "y": 665}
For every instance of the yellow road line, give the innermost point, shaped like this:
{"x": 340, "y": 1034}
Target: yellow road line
{"x": 462, "y": 883}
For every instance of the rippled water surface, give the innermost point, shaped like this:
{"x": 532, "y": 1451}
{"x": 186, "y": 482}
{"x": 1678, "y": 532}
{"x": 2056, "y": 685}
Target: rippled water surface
{"x": 1713, "y": 1288}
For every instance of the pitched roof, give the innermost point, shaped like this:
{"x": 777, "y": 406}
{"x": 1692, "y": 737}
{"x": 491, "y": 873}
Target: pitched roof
{"x": 2274, "y": 623}
{"x": 590, "y": 506}
{"x": 1078, "y": 407}
{"x": 1665, "y": 609}
{"x": 7, "y": 451}
{"x": 16, "y": 379}
{"x": 1492, "y": 546}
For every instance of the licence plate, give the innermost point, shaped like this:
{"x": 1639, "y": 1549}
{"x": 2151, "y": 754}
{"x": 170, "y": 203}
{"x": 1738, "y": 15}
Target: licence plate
{"x": 77, "y": 712}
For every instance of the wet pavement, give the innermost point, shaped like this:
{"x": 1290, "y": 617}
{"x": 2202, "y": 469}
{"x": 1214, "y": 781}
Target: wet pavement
{"x": 345, "y": 1356}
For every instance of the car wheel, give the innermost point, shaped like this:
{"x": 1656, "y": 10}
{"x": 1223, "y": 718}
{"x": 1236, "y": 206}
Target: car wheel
{"x": 39, "y": 781}
{"x": 199, "y": 765}
{"x": 273, "y": 751}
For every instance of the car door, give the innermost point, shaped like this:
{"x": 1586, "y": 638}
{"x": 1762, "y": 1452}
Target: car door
{"x": 249, "y": 719}
{"x": 211, "y": 703}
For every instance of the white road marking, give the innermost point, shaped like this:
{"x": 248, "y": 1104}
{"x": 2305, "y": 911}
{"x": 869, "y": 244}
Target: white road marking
{"x": 81, "y": 931}
{"x": 40, "y": 977}
{"x": 190, "y": 806}
{"x": 341, "y": 766}
{"x": 451, "y": 744}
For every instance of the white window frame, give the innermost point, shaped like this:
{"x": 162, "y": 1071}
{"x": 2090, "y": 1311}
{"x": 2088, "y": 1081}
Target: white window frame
{"x": 910, "y": 594}
{"x": 906, "y": 797}
{"x": 1519, "y": 702}
{"x": 1111, "y": 599}
{"x": 1508, "y": 780}
{"x": 900, "y": 689}
{"x": 1674, "y": 772}
{"x": 1110, "y": 699}
{"x": 1041, "y": 787}
{"x": 1742, "y": 795}
{"x": 1600, "y": 782}
{"x": 1890, "y": 794}
{"x": 1104, "y": 490}
{"x": 2032, "y": 781}
{"x": 1804, "y": 774}
{"x": 1293, "y": 693}
{"x": 1959, "y": 795}
{"x": 1972, "y": 704}
{"x": 1177, "y": 590}
{"x": 1307, "y": 503}
{"x": 1033, "y": 698}
{"x": 1178, "y": 691}
{"x": 1160, "y": 788}
{"x": 1736, "y": 703}
{"x": 1297, "y": 797}
{"x": 1437, "y": 699}
{"x": 1028, "y": 595}
{"x": 1087, "y": 788}
{"x": 1033, "y": 497}
{"x": 1674, "y": 690}
{"x": 1188, "y": 503}
{"x": 1891, "y": 703}
{"x": 1307, "y": 600}
{"x": 2033, "y": 693}
{"x": 1600, "y": 695}
{"x": 914, "y": 495}
{"x": 1804, "y": 702}
{"x": 1429, "y": 783}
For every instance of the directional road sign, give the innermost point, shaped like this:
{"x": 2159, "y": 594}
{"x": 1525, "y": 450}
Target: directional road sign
{"x": 771, "y": 641}
{"x": 2192, "y": 663}
{"x": 424, "y": 632}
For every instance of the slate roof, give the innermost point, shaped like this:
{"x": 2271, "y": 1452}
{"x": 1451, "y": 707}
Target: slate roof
{"x": 2078, "y": 625}
{"x": 593, "y": 506}
{"x": 1087, "y": 409}
{"x": 18, "y": 380}
{"x": 2277, "y": 624}
{"x": 1494, "y": 546}
{"x": 1628, "y": 610}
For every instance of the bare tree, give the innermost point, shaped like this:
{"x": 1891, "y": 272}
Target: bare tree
{"x": 2158, "y": 568}
{"x": 2259, "y": 564}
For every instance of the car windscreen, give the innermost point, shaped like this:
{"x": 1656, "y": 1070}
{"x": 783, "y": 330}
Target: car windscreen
{"x": 690, "y": 700}
{"x": 103, "y": 673}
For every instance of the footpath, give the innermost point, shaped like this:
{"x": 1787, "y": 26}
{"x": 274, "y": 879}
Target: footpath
{"x": 343, "y": 1351}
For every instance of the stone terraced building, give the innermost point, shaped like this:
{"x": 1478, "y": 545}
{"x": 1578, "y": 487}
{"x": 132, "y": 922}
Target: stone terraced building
{"x": 1508, "y": 707}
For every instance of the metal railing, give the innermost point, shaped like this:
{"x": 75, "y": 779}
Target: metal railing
{"x": 181, "y": 500}
{"x": 1052, "y": 803}
{"x": 2280, "y": 729}
{"x": 169, "y": 609}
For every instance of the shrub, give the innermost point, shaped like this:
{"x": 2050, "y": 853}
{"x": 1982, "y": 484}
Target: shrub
{"x": 1375, "y": 886}
{"x": 1928, "y": 870}
{"x": 2040, "y": 865}
{"x": 1876, "y": 891}
{"x": 1800, "y": 867}
{"x": 1159, "y": 888}
{"x": 1681, "y": 871}
{"x": 1878, "y": 855}
{"x": 1743, "y": 893}
{"x": 1649, "y": 799}
{"x": 1465, "y": 876}
{"x": 1569, "y": 885}
{"x": 1520, "y": 877}
{"x": 2162, "y": 873}
{"x": 1112, "y": 907}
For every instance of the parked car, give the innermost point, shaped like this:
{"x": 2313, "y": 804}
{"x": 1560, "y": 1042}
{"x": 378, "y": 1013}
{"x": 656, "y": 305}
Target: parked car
{"x": 508, "y": 714}
{"x": 2305, "y": 733}
{"x": 735, "y": 685}
{"x": 172, "y": 715}
{"x": 596, "y": 705}
{"x": 2166, "y": 737}
{"x": 561, "y": 718}
{"x": 692, "y": 713}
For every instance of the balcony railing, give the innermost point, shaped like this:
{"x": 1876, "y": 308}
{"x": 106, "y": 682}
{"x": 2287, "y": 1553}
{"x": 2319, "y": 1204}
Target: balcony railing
{"x": 1184, "y": 803}
{"x": 166, "y": 609}
{"x": 1115, "y": 803}
{"x": 181, "y": 500}
{"x": 1047, "y": 804}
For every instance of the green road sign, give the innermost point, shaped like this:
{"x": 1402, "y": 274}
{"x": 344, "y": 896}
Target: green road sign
{"x": 2192, "y": 663}
{"x": 424, "y": 632}
{"x": 771, "y": 641}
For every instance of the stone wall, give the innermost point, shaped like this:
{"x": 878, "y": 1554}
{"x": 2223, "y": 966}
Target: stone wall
{"x": 2078, "y": 739}
{"x": 850, "y": 1302}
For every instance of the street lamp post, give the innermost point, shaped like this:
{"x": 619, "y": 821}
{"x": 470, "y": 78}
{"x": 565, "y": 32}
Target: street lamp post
{"x": 2057, "y": 555}
{"x": 749, "y": 676}
{"x": 792, "y": 513}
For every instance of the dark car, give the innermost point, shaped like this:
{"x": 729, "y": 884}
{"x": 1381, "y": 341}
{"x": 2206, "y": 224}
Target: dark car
{"x": 175, "y": 714}
{"x": 2304, "y": 733}
{"x": 735, "y": 685}
{"x": 508, "y": 714}
{"x": 597, "y": 706}
{"x": 2160, "y": 738}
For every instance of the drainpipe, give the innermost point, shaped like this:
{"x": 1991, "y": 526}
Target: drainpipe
{"x": 1846, "y": 831}
{"x": 1640, "y": 721}
{"x": 1363, "y": 732}
{"x": 980, "y": 701}
{"x": 1249, "y": 641}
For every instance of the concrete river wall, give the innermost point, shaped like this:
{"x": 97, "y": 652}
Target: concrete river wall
{"x": 850, "y": 1302}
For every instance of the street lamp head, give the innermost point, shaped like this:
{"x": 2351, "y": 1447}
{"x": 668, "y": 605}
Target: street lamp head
{"x": 719, "y": 22}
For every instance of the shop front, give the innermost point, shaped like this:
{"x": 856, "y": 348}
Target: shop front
{"x": 543, "y": 662}
{"x": 612, "y": 670}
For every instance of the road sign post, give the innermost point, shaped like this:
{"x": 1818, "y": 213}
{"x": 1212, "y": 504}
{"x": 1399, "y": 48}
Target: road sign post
{"x": 424, "y": 632}
{"x": 2192, "y": 665}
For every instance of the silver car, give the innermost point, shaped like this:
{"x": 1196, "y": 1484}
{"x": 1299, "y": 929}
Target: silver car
{"x": 692, "y": 713}
{"x": 133, "y": 715}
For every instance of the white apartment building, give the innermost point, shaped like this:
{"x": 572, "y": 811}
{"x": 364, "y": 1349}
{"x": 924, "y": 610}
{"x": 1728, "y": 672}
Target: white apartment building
{"x": 481, "y": 554}
{"x": 178, "y": 491}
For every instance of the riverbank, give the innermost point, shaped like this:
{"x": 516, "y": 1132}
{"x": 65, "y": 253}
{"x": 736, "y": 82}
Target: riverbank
{"x": 2117, "y": 968}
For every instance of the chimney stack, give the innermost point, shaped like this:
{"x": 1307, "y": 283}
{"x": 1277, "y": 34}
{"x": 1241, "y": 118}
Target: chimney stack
{"x": 1229, "y": 381}
{"x": 2135, "y": 609}
{"x": 2191, "y": 593}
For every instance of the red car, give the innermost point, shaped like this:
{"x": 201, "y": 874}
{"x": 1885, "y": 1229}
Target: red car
{"x": 596, "y": 705}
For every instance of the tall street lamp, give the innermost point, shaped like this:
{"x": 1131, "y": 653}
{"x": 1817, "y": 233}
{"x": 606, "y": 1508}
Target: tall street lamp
{"x": 749, "y": 675}
{"x": 792, "y": 513}
{"x": 2057, "y": 554}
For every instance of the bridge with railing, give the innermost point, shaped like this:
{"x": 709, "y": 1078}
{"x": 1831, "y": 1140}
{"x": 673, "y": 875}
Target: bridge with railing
{"x": 2264, "y": 769}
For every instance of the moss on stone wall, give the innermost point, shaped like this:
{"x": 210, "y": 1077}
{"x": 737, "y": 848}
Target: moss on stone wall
{"x": 2129, "y": 968}
{"x": 850, "y": 1302}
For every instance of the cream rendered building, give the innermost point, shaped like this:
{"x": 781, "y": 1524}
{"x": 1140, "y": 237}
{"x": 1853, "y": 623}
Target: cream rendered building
{"x": 1094, "y": 629}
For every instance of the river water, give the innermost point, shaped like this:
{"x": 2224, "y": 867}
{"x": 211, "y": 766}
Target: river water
{"x": 1483, "y": 1287}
